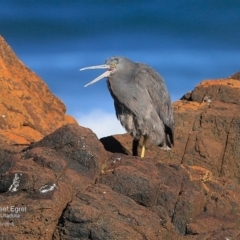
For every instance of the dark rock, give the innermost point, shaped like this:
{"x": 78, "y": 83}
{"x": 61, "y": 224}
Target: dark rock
{"x": 133, "y": 180}
{"x": 44, "y": 179}
{"x": 186, "y": 96}
{"x": 235, "y": 76}
{"x": 101, "y": 213}
{"x": 80, "y": 147}
{"x": 167, "y": 187}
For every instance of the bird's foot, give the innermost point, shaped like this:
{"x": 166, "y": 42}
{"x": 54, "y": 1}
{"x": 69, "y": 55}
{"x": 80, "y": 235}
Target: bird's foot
{"x": 166, "y": 148}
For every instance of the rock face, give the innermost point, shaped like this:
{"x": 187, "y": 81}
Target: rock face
{"x": 69, "y": 185}
{"x": 28, "y": 110}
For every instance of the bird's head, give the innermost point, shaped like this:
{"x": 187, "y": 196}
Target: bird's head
{"x": 113, "y": 65}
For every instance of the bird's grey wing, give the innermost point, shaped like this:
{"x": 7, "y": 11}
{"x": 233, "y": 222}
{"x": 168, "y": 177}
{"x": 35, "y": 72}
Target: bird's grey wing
{"x": 147, "y": 86}
{"x": 154, "y": 85}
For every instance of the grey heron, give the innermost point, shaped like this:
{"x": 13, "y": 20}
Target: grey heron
{"x": 141, "y": 100}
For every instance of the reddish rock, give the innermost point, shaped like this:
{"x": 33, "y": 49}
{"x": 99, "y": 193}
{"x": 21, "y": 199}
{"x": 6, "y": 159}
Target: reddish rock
{"x": 28, "y": 110}
{"x": 184, "y": 197}
{"x": 100, "y": 213}
{"x": 72, "y": 188}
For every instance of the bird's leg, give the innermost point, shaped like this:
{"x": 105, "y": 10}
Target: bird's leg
{"x": 144, "y": 146}
{"x": 135, "y": 147}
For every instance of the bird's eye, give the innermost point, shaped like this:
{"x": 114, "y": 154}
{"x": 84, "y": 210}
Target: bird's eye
{"x": 114, "y": 64}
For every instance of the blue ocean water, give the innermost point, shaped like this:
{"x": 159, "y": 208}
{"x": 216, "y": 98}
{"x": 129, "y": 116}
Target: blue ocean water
{"x": 185, "y": 41}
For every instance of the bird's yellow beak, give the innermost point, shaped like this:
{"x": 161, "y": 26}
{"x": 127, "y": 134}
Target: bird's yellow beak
{"x": 105, "y": 74}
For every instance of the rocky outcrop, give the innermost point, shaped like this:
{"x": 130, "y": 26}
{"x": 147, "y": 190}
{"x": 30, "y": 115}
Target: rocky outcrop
{"x": 28, "y": 110}
{"x": 69, "y": 185}
{"x": 45, "y": 177}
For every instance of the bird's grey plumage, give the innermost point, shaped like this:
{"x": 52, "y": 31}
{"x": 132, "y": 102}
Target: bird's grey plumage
{"x": 141, "y": 100}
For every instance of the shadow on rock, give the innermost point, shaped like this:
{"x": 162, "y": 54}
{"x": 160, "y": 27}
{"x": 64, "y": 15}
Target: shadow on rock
{"x": 111, "y": 144}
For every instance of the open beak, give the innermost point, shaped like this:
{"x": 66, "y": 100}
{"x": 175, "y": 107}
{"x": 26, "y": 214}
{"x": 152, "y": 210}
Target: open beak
{"x": 105, "y": 74}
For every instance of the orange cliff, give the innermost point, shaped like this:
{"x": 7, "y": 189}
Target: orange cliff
{"x": 28, "y": 109}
